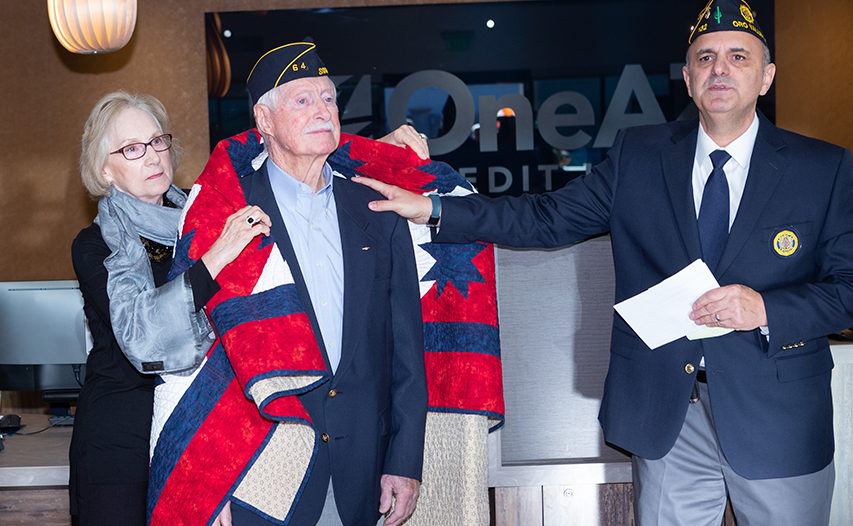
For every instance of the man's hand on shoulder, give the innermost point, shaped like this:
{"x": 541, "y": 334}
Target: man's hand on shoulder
{"x": 405, "y": 490}
{"x": 733, "y": 306}
{"x": 414, "y": 207}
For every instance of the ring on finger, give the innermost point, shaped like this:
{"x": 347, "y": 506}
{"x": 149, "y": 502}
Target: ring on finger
{"x": 717, "y": 317}
{"x": 250, "y": 220}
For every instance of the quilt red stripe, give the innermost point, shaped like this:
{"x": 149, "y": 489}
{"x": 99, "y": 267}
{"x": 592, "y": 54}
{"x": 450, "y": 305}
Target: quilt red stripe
{"x": 470, "y": 382}
{"x": 234, "y": 417}
{"x": 288, "y": 345}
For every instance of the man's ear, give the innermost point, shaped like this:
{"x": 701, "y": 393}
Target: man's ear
{"x": 263, "y": 118}
{"x": 685, "y": 72}
{"x": 767, "y": 80}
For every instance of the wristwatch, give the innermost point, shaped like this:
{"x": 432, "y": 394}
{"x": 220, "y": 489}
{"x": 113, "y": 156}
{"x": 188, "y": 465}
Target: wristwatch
{"x": 436, "y": 211}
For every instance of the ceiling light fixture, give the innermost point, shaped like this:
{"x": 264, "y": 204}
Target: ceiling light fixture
{"x": 92, "y": 26}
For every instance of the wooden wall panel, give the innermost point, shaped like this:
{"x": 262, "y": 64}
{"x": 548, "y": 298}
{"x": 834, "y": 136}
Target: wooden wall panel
{"x": 814, "y": 84}
{"x": 521, "y": 506}
{"x": 616, "y": 504}
{"x": 22, "y": 402}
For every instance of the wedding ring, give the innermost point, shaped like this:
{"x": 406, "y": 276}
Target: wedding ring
{"x": 423, "y": 136}
{"x": 717, "y": 317}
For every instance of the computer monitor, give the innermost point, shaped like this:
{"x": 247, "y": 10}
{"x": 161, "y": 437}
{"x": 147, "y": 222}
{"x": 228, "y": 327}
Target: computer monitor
{"x": 44, "y": 339}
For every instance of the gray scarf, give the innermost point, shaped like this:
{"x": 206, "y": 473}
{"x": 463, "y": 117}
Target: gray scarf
{"x": 157, "y": 328}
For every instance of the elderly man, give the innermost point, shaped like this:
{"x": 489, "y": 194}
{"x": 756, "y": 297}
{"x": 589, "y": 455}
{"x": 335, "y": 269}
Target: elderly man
{"x": 321, "y": 325}
{"x": 747, "y": 414}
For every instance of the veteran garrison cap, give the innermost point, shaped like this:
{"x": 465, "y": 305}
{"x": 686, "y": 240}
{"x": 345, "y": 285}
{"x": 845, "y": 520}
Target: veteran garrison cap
{"x": 283, "y": 64}
{"x": 726, "y": 15}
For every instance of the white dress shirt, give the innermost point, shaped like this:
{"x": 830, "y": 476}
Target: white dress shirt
{"x": 736, "y": 170}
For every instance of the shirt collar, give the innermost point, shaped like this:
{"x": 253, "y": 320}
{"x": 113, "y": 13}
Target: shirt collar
{"x": 740, "y": 149}
{"x": 289, "y": 188}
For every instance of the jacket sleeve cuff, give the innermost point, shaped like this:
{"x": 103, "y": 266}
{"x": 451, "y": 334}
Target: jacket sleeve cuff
{"x": 203, "y": 286}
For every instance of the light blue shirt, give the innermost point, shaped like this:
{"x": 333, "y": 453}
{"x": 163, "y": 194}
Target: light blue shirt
{"x": 312, "y": 223}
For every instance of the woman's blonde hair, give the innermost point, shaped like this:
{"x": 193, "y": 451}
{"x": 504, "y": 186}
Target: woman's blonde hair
{"x": 96, "y": 147}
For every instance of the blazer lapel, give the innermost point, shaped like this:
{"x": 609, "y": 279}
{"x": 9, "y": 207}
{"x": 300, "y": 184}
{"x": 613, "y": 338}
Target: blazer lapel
{"x": 765, "y": 168}
{"x": 258, "y": 191}
{"x": 677, "y": 165}
{"x": 358, "y": 247}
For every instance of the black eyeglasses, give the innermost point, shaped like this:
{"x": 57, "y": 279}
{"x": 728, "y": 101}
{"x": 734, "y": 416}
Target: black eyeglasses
{"x": 137, "y": 150}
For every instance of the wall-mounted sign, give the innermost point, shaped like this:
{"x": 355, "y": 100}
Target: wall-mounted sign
{"x": 517, "y": 96}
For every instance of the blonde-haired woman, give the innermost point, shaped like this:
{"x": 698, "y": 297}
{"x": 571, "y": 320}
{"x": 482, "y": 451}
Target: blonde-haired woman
{"x": 143, "y": 321}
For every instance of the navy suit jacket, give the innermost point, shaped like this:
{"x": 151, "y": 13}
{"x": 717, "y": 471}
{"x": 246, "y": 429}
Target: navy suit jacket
{"x": 373, "y": 411}
{"x": 771, "y": 401}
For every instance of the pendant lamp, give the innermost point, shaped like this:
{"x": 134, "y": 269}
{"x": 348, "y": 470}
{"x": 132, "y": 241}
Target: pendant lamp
{"x": 92, "y": 26}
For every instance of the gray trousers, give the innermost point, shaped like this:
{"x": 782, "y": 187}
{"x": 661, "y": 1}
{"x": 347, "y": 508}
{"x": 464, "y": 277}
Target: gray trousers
{"x": 329, "y": 517}
{"x": 689, "y": 485}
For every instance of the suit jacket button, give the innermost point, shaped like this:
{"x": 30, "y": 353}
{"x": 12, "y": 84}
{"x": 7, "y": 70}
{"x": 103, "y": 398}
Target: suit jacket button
{"x": 689, "y": 368}
{"x": 333, "y": 393}
{"x": 324, "y": 437}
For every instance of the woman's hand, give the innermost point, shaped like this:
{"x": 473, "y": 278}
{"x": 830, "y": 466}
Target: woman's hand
{"x": 407, "y": 135}
{"x": 240, "y": 228}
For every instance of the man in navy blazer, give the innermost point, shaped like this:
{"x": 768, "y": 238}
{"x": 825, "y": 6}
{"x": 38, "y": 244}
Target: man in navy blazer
{"x": 357, "y": 280}
{"x": 749, "y": 414}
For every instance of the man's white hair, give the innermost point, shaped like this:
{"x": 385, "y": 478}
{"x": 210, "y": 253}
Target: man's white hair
{"x": 270, "y": 101}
